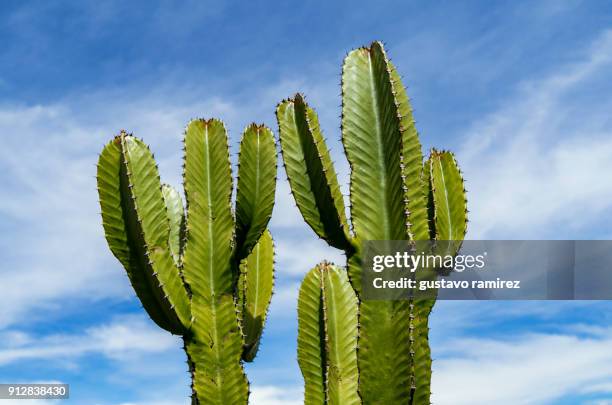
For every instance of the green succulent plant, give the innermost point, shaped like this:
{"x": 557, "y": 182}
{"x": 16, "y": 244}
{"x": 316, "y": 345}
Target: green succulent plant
{"x": 350, "y": 349}
{"x": 205, "y": 274}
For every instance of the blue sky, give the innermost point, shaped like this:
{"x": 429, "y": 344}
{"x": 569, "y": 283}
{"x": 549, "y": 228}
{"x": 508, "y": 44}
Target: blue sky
{"x": 522, "y": 91}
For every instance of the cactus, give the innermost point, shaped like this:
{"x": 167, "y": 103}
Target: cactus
{"x": 394, "y": 195}
{"x": 206, "y": 275}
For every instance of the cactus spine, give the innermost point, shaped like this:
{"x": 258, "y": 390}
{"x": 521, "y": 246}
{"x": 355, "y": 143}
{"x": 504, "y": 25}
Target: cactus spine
{"x": 206, "y": 276}
{"x": 394, "y": 195}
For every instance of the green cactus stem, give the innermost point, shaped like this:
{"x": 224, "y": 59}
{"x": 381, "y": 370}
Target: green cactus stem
{"x": 327, "y": 337}
{"x": 186, "y": 268}
{"x": 394, "y": 195}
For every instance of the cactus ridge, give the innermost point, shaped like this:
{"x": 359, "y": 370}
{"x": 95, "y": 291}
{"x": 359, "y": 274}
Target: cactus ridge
{"x": 311, "y": 173}
{"x": 395, "y": 194}
{"x": 185, "y": 268}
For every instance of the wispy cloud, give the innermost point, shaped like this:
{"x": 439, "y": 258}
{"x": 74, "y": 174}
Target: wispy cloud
{"x": 541, "y": 161}
{"x": 272, "y": 395}
{"x": 123, "y": 339}
{"x": 527, "y": 369}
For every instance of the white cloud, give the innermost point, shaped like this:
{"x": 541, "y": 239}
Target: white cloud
{"x": 286, "y": 213}
{"x": 272, "y": 395}
{"x": 123, "y": 339}
{"x": 296, "y": 256}
{"x": 284, "y": 300}
{"x": 542, "y": 159}
{"x": 605, "y": 387}
{"x": 49, "y": 207}
{"x": 528, "y": 369}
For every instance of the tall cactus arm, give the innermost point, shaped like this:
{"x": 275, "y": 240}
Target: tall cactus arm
{"x": 371, "y": 133}
{"x": 256, "y": 187}
{"x": 412, "y": 163}
{"x": 176, "y": 219}
{"x": 311, "y": 339}
{"x": 340, "y": 310}
{"x": 257, "y": 280}
{"x": 215, "y": 344}
{"x": 137, "y": 229}
{"x": 371, "y": 136}
{"x": 141, "y": 179}
{"x": 210, "y": 224}
{"x": 449, "y": 196}
{"x": 311, "y": 172}
{"x": 447, "y": 209}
